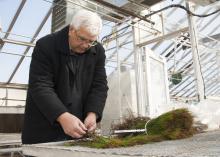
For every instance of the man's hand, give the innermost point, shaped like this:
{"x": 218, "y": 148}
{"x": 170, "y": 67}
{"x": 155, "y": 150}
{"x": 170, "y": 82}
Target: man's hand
{"x": 71, "y": 125}
{"x": 90, "y": 121}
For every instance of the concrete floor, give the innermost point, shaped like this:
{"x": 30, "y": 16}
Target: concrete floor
{"x": 9, "y": 137}
{"x": 201, "y": 145}
{"x": 10, "y": 145}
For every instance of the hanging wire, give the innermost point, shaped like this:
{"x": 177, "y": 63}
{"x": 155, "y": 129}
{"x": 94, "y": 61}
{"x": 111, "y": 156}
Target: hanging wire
{"x": 184, "y": 8}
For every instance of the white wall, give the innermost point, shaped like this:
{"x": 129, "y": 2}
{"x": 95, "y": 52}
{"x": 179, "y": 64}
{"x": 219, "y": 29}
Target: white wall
{"x": 12, "y": 94}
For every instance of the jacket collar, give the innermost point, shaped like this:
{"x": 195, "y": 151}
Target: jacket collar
{"x": 62, "y": 42}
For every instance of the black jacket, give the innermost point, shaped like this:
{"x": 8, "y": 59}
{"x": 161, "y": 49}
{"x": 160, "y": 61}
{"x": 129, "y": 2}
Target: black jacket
{"x": 49, "y": 92}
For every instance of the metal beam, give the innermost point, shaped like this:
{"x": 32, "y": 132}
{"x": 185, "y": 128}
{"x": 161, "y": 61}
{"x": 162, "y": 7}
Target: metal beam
{"x": 13, "y": 86}
{"x": 212, "y": 38}
{"x": 4, "y": 40}
{"x": 166, "y": 36}
{"x": 123, "y": 11}
{"x": 123, "y": 43}
{"x": 28, "y": 48}
{"x": 13, "y": 21}
{"x": 196, "y": 58}
{"x": 10, "y": 150}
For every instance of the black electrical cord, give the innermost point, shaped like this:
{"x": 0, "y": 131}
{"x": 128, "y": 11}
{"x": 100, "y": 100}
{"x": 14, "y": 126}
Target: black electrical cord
{"x": 181, "y": 7}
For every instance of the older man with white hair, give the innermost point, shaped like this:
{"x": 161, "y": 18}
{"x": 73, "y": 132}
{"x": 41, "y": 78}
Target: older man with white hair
{"x": 67, "y": 82}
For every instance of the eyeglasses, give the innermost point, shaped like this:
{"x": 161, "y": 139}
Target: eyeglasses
{"x": 82, "y": 39}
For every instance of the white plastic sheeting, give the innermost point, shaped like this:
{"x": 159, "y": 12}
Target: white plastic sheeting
{"x": 149, "y": 98}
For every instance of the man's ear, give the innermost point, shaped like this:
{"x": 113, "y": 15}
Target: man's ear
{"x": 71, "y": 29}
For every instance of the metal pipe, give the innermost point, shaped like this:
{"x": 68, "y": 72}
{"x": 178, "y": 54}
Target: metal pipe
{"x": 196, "y": 58}
{"x": 13, "y": 86}
{"x": 9, "y": 150}
{"x": 129, "y": 131}
{"x": 4, "y": 40}
{"x": 13, "y": 21}
{"x": 26, "y": 51}
{"x": 119, "y": 75}
{"x": 11, "y": 100}
{"x": 123, "y": 11}
{"x": 166, "y": 36}
{"x": 6, "y": 101}
{"x": 122, "y": 62}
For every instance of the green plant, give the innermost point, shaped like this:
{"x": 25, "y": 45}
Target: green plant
{"x": 176, "y": 78}
{"x": 172, "y": 125}
{"x": 175, "y": 124}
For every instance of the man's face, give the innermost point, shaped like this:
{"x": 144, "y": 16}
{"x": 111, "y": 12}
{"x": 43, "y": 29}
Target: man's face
{"x": 81, "y": 40}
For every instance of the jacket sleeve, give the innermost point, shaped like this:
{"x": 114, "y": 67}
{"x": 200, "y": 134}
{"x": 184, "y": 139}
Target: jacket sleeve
{"x": 41, "y": 84}
{"x": 98, "y": 91}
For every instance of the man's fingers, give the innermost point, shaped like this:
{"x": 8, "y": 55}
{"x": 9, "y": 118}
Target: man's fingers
{"x": 76, "y": 135}
{"x": 90, "y": 121}
{"x": 81, "y": 125}
{"x": 87, "y": 125}
{"x": 79, "y": 130}
{"x": 92, "y": 128}
{"x": 72, "y": 125}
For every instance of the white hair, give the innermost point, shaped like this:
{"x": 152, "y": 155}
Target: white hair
{"x": 88, "y": 20}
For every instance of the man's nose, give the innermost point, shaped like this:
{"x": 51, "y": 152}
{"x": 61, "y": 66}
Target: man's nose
{"x": 85, "y": 45}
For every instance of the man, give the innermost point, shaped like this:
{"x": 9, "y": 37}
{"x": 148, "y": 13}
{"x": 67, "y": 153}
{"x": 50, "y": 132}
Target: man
{"x": 67, "y": 82}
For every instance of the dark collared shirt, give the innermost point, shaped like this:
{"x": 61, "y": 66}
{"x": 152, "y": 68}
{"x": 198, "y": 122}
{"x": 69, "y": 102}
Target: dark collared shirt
{"x": 76, "y": 64}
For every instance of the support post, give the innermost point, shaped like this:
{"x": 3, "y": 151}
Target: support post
{"x": 139, "y": 73}
{"x": 200, "y": 87}
{"x": 119, "y": 75}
